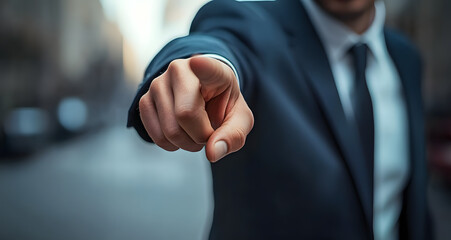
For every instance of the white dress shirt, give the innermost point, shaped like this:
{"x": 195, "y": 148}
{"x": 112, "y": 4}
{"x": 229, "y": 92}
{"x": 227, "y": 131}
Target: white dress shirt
{"x": 391, "y": 152}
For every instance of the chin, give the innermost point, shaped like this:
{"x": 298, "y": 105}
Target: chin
{"x": 346, "y": 9}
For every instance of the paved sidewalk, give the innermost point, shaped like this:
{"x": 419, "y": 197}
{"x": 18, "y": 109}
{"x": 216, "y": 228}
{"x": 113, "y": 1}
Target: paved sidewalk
{"x": 110, "y": 185}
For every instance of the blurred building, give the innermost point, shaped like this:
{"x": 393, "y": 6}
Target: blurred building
{"x": 51, "y": 50}
{"x": 429, "y": 25}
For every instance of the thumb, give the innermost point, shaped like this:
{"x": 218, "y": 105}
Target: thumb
{"x": 231, "y": 135}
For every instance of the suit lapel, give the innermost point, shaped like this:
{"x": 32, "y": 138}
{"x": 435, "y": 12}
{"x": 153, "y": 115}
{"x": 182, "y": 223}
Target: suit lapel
{"x": 311, "y": 57}
{"x": 414, "y": 215}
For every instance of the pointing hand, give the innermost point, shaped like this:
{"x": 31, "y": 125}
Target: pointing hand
{"x": 195, "y": 103}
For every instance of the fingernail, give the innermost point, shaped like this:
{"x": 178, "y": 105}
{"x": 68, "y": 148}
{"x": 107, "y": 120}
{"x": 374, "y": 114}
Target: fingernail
{"x": 220, "y": 150}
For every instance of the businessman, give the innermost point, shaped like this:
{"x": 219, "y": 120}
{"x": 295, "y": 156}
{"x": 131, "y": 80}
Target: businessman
{"x": 314, "y": 110}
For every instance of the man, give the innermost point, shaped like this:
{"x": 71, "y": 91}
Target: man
{"x": 337, "y": 149}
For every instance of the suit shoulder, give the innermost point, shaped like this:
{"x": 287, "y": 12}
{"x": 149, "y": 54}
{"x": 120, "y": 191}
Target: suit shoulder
{"x": 220, "y": 10}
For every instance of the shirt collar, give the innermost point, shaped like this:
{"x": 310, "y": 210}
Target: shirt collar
{"x": 338, "y": 38}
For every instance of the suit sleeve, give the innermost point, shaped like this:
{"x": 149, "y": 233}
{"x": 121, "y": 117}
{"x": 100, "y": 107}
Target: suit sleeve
{"x": 219, "y": 28}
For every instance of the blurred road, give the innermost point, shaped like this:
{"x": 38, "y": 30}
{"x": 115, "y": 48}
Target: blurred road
{"x": 109, "y": 185}
{"x": 112, "y": 185}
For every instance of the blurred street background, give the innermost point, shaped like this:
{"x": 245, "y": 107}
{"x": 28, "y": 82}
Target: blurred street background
{"x": 69, "y": 169}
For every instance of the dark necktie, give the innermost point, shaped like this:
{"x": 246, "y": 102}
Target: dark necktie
{"x": 362, "y": 105}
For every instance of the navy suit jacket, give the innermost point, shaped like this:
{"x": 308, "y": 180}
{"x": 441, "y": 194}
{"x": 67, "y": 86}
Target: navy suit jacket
{"x": 302, "y": 173}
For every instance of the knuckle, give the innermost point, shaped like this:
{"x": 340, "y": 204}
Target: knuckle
{"x": 175, "y": 67}
{"x": 173, "y": 133}
{"x": 185, "y": 112}
{"x": 143, "y": 103}
{"x": 154, "y": 86}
